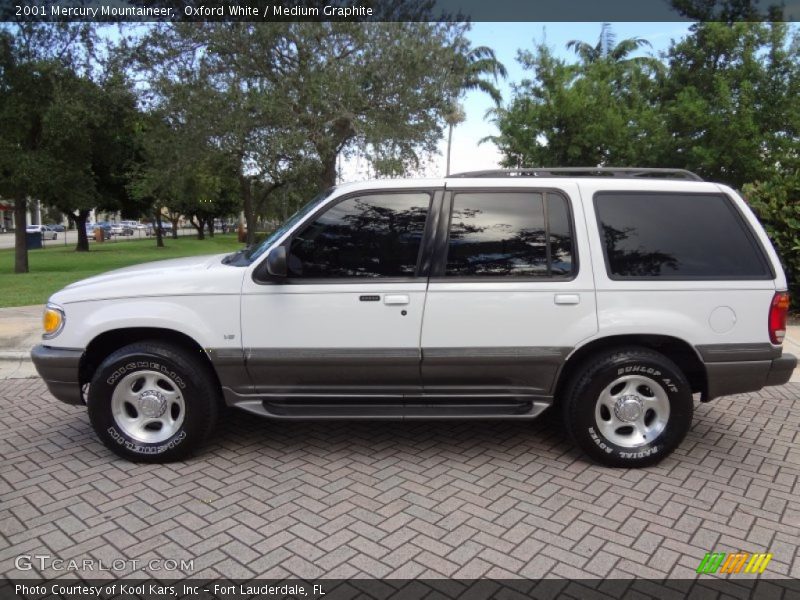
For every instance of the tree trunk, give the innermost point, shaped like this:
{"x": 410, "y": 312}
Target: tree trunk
{"x": 328, "y": 177}
{"x": 175, "y": 227}
{"x": 247, "y": 205}
{"x": 20, "y": 242}
{"x": 449, "y": 145}
{"x": 159, "y": 237}
{"x": 80, "y": 224}
{"x": 211, "y": 227}
{"x": 200, "y": 226}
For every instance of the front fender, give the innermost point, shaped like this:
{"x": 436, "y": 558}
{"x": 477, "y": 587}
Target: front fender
{"x": 211, "y": 320}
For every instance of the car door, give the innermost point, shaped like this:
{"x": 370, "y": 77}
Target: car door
{"x": 511, "y": 290}
{"x": 347, "y": 318}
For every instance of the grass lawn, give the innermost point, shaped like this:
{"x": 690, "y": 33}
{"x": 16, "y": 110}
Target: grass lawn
{"x": 54, "y": 267}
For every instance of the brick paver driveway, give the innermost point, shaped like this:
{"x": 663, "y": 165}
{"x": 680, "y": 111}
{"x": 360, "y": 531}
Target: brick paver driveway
{"x": 458, "y": 499}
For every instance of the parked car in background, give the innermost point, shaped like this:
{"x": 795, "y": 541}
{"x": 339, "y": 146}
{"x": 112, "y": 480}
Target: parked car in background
{"x": 90, "y": 227}
{"x": 57, "y": 227}
{"x": 138, "y": 228}
{"x": 122, "y": 228}
{"x": 106, "y": 227}
{"x": 47, "y": 232}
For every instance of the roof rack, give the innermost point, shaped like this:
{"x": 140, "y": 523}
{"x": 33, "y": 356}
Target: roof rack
{"x": 622, "y": 172}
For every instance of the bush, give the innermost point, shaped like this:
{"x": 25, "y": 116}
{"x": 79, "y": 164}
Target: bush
{"x": 776, "y": 201}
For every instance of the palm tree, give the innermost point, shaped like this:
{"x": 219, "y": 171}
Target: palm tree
{"x": 606, "y": 47}
{"x": 480, "y": 62}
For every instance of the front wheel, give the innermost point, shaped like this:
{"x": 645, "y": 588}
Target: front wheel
{"x": 153, "y": 402}
{"x": 628, "y": 407}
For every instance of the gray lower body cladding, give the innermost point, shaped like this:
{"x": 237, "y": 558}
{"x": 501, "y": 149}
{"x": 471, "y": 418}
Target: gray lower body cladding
{"x": 741, "y": 368}
{"x": 394, "y": 383}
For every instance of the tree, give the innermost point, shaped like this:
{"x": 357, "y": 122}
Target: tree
{"x": 61, "y": 137}
{"x": 25, "y": 93}
{"x": 208, "y": 191}
{"x": 479, "y": 70}
{"x": 599, "y": 112}
{"x": 37, "y": 60}
{"x": 607, "y": 47}
{"x": 732, "y": 101}
{"x": 154, "y": 174}
{"x": 277, "y": 96}
{"x": 777, "y": 203}
{"x": 92, "y": 139}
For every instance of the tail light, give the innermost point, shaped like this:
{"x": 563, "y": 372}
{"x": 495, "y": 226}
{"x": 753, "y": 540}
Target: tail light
{"x": 777, "y": 317}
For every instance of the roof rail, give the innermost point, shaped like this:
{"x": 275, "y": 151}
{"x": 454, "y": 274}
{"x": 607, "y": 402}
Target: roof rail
{"x": 623, "y": 172}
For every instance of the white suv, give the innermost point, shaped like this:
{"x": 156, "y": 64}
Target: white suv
{"x": 614, "y": 294}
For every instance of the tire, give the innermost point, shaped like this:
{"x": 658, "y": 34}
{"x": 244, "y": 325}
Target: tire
{"x": 153, "y": 402}
{"x": 629, "y": 407}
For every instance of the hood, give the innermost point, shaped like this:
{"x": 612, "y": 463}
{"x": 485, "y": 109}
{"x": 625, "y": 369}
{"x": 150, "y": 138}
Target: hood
{"x": 175, "y": 277}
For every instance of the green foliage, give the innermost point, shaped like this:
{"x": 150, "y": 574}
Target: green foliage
{"x": 725, "y": 103}
{"x": 732, "y": 101}
{"x": 776, "y": 201}
{"x": 598, "y": 112}
{"x": 64, "y": 139}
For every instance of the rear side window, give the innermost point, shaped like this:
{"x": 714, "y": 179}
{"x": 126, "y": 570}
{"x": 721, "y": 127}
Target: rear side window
{"x": 676, "y": 236}
{"x": 511, "y": 234}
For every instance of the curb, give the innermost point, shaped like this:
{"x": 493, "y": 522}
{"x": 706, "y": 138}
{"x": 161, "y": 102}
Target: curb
{"x": 15, "y": 356}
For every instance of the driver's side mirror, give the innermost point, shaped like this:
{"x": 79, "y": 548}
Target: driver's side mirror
{"x": 276, "y": 262}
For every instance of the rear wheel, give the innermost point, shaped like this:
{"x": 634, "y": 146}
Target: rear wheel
{"x": 152, "y": 402}
{"x": 629, "y": 407}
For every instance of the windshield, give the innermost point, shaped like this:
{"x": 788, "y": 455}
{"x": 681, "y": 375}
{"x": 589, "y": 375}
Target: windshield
{"x": 251, "y": 253}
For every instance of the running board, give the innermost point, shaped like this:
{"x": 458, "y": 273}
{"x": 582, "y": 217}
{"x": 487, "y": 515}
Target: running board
{"x": 411, "y": 408}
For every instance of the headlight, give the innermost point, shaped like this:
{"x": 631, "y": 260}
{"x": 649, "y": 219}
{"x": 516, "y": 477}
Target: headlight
{"x": 53, "y": 321}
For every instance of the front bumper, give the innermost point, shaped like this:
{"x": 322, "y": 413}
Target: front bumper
{"x": 726, "y": 378}
{"x": 59, "y": 368}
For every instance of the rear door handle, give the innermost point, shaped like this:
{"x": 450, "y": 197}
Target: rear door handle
{"x": 567, "y": 299}
{"x": 396, "y": 299}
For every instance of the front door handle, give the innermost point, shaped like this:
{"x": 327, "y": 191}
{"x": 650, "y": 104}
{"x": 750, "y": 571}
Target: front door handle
{"x": 567, "y": 299}
{"x": 396, "y": 299}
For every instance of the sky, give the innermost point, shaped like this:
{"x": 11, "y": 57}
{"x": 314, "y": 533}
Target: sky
{"x": 506, "y": 39}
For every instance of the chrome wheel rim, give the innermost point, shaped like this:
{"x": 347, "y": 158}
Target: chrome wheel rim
{"x": 148, "y": 406}
{"x": 633, "y": 410}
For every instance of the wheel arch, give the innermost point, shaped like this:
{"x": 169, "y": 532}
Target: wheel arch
{"x": 677, "y": 350}
{"x": 109, "y": 341}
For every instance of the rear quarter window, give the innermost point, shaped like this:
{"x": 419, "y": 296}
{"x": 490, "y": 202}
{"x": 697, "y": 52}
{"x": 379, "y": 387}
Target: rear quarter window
{"x": 656, "y": 235}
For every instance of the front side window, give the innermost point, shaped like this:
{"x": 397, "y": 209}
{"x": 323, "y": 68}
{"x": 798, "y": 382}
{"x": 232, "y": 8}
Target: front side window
{"x": 676, "y": 236}
{"x": 512, "y": 234}
{"x": 369, "y": 236}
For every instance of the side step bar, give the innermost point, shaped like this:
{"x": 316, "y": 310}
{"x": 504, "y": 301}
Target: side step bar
{"x": 412, "y": 408}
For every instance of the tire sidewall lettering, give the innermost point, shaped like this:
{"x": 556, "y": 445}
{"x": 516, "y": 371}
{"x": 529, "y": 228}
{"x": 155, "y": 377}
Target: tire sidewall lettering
{"x": 145, "y": 364}
{"x": 653, "y": 372}
{"x": 132, "y": 446}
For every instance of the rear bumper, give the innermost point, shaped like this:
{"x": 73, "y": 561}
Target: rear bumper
{"x": 59, "y": 368}
{"x": 781, "y": 370}
{"x": 725, "y": 378}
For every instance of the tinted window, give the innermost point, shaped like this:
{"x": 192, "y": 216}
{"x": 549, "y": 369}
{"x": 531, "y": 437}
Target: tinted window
{"x": 367, "y": 236}
{"x": 678, "y": 236}
{"x": 522, "y": 234}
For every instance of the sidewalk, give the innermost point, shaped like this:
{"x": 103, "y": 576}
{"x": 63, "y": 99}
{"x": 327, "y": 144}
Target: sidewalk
{"x": 21, "y": 328}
